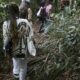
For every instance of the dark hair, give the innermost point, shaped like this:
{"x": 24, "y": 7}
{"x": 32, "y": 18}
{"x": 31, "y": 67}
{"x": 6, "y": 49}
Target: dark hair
{"x": 13, "y": 9}
{"x": 42, "y": 3}
{"x": 28, "y": 5}
{"x": 13, "y": 12}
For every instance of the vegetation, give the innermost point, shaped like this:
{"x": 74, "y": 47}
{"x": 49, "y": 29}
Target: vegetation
{"x": 59, "y": 57}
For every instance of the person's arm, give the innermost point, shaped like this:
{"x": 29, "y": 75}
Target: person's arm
{"x": 30, "y": 41}
{"x": 31, "y": 33}
{"x": 5, "y": 36}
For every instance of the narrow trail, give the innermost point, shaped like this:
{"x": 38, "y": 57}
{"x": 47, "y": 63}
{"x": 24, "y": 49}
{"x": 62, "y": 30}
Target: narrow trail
{"x": 39, "y": 37}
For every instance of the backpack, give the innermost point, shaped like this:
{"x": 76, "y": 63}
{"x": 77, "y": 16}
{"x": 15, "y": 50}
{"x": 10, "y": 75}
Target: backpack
{"x": 22, "y": 40}
{"x": 29, "y": 43}
{"x": 29, "y": 46}
{"x": 19, "y": 51}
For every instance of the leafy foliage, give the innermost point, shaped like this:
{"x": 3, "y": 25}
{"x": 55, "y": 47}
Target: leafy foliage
{"x": 61, "y": 50}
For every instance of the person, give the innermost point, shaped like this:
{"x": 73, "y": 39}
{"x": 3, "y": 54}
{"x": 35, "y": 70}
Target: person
{"x": 41, "y": 14}
{"x": 25, "y": 10}
{"x": 44, "y": 13}
{"x": 17, "y": 40}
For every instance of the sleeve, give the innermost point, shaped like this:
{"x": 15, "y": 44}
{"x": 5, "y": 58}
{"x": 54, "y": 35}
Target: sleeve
{"x": 31, "y": 32}
{"x": 30, "y": 42}
{"x": 5, "y": 37}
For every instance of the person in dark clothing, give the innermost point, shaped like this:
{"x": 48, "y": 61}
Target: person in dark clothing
{"x": 46, "y": 10}
{"x": 42, "y": 14}
{"x": 25, "y": 10}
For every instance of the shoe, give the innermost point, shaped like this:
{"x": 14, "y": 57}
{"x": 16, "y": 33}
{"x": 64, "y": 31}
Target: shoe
{"x": 16, "y": 76}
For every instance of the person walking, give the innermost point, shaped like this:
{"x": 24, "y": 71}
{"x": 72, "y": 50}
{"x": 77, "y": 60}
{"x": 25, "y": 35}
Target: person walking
{"x": 41, "y": 14}
{"x": 25, "y": 10}
{"x": 17, "y": 41}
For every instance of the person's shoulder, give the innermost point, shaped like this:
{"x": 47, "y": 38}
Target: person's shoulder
{"x": 19, "y": 20}
{"x": 22, "y": 20}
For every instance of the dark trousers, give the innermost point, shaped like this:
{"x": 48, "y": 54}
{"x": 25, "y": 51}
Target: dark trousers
{"x": 43, "y": 20}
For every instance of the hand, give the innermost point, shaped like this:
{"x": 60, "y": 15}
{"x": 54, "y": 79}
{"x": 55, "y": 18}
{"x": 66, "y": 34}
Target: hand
{"x": 3, "y": 47}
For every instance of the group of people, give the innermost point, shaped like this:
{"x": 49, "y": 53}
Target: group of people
{"x": 18, "y": 34}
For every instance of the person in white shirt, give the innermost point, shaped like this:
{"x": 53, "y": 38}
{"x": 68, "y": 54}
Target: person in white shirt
{"x": 17, "y": 41}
